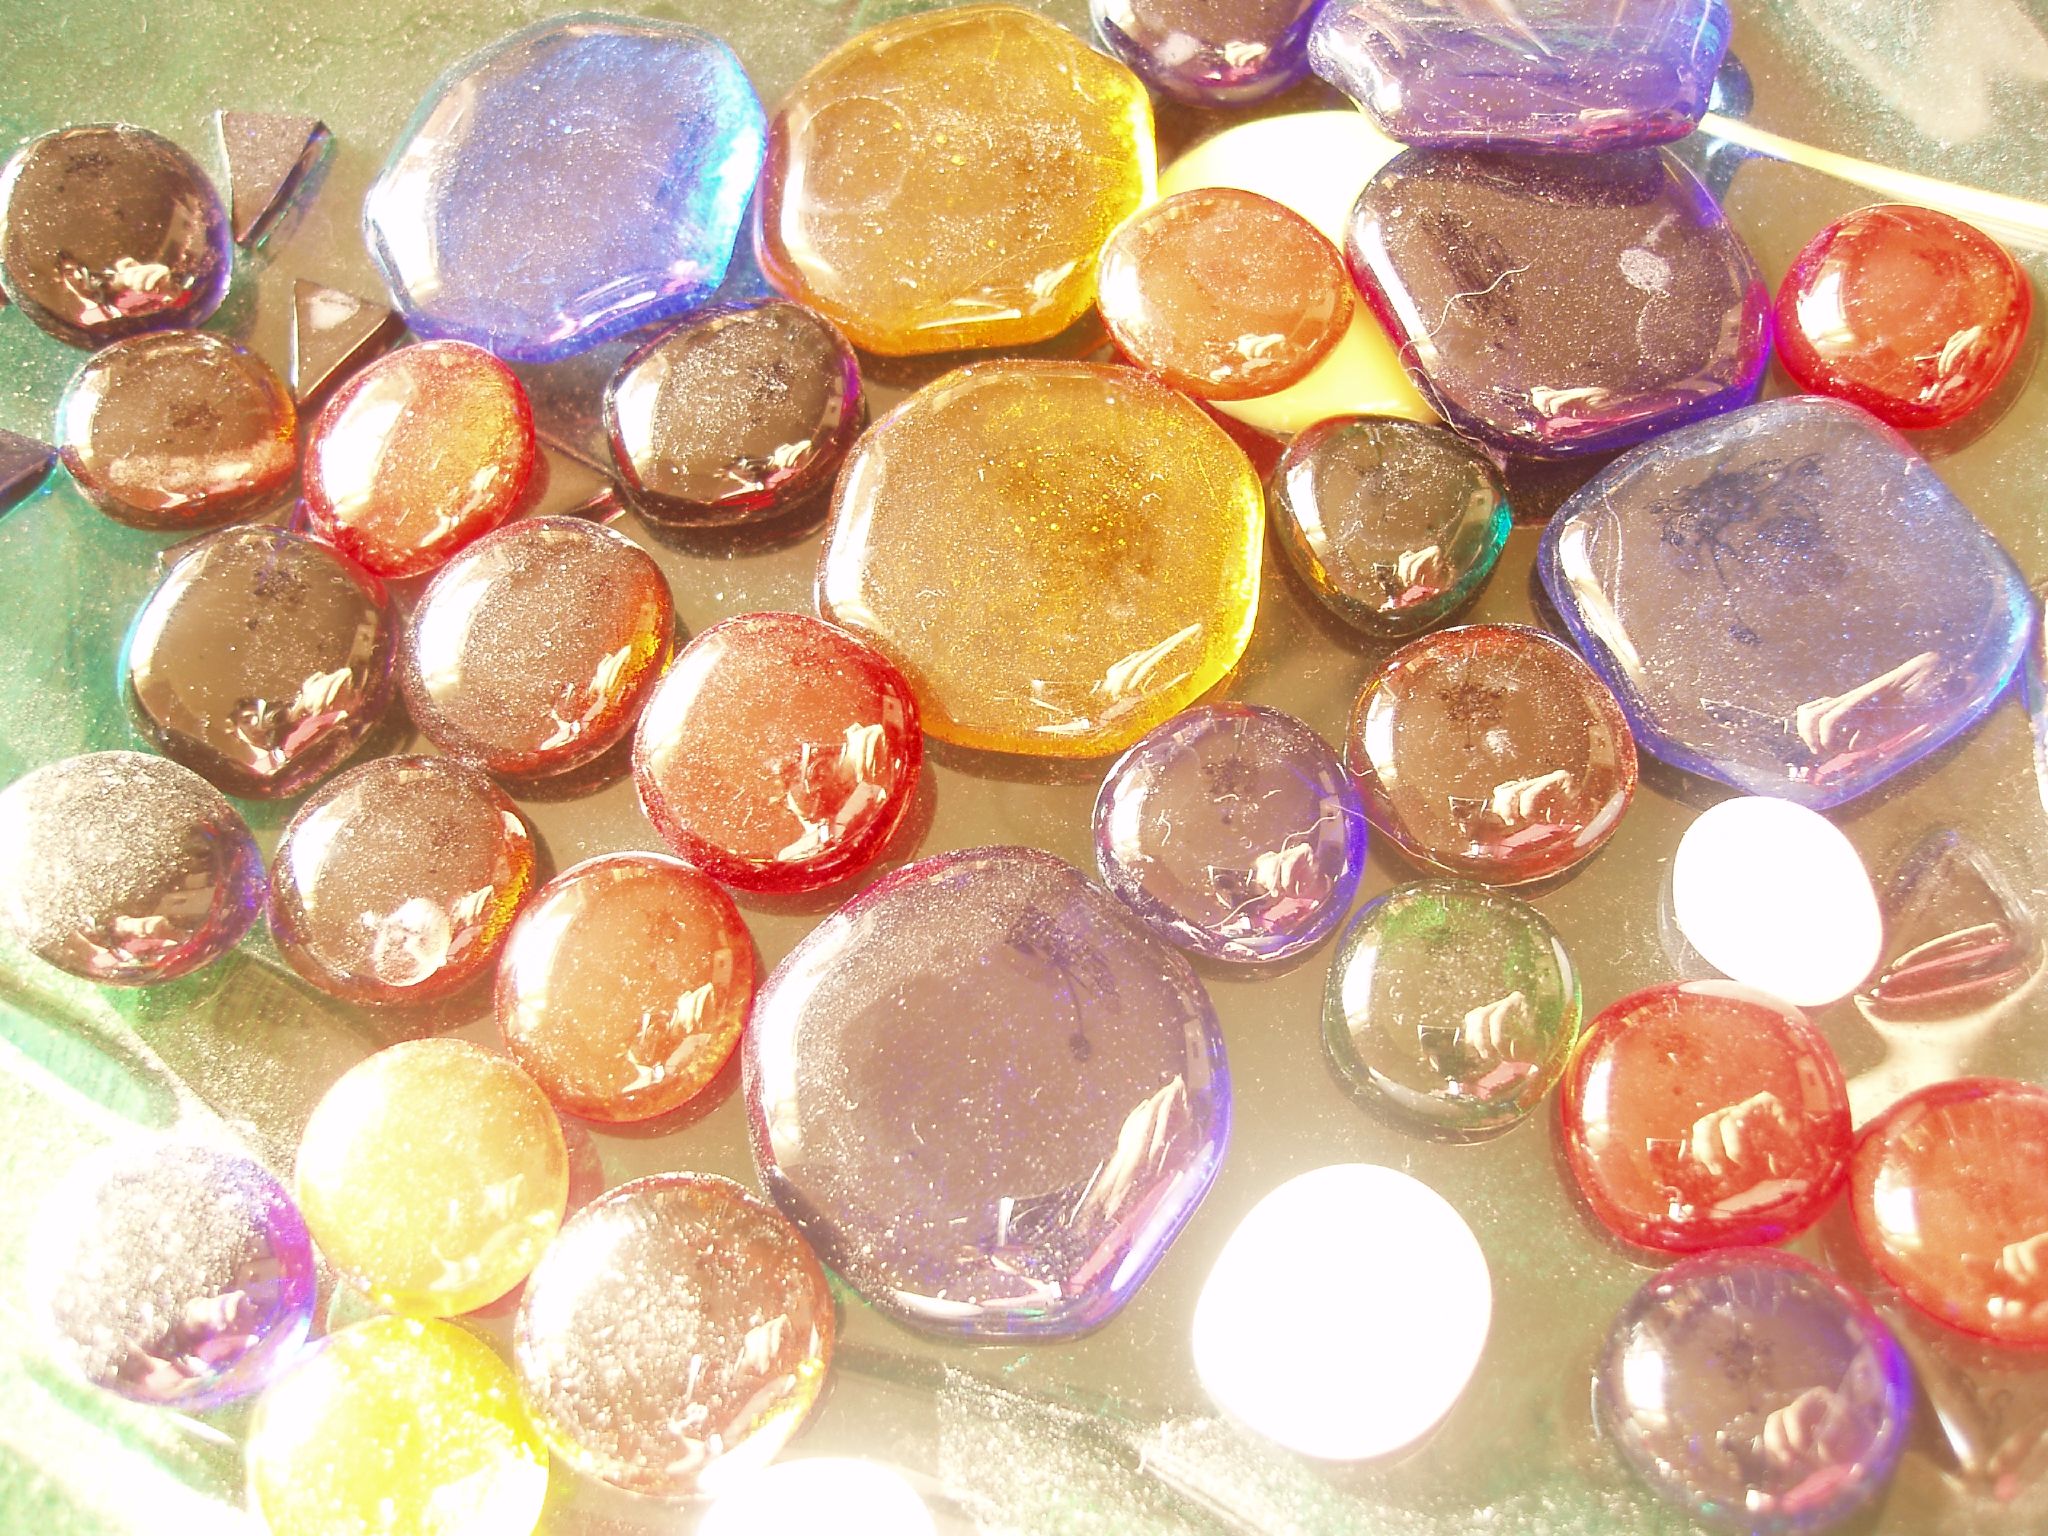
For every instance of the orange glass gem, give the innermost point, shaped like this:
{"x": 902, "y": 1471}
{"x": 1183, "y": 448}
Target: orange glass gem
{"x": 625, "y": 985}
{"x": 1223, "y": 294}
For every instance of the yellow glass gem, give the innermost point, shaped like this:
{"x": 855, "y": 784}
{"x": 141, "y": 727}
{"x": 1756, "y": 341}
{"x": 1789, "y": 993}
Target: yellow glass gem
{"x": 947, "y": 180}
{"x": 1058, "y": 555}
{"x": 432, "y": 1175}
{"x": 396, "y": 1428}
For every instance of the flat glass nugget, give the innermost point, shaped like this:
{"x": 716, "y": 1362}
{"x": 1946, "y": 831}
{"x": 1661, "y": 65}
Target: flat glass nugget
{"x": 1958, "y": 940}
{"x": 178, "y": 431}
{"x": 947, "y": 179}
{"x": 124, "y": 868}
{"x": 532, "y": 650}
{"x": 108, "y": 231}
{"x": 574, "y": 181}
{"x": 425, "y": 450}
{"x": 778, "y": 753}
{"x": 1027, "y": 1177}
{"x": 261, "y": 660}
{"x": 1452, "y": 1007}
{"x": 1491, "y": 752}
{"x": 172, "y": 1273}
{"x": 1550, "y": 306}
{"x": 1209, "y": 53}
{"x": 1058, "y": 555}
{"x": 333, "y": 334}
{"x": 1911, "y": 314}
{"x": 1691, "y": 571}
{"x": 675, "y": 1336}
{"x": 1755, "y": 1392}
{"x": 1234, "y": 831}
{"x": 1704, "y": 1114}
{"x": 432, "y": 1175}
{"x": 397, "y": 880}
{"x": 1392, "y": 524}
{"x": 399, "y": 1428}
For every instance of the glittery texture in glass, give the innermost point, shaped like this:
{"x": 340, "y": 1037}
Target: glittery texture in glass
{"x": 1209, "y": 53}
{"x": 269, "y": 157}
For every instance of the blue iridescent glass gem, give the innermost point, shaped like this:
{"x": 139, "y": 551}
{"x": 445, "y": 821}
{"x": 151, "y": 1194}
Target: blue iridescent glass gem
{"x": 574, "y": 181}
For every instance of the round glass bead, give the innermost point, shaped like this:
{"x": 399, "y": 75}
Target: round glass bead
{"x": 1755, "y": 1392}
{"x": 1392, "y": 524}
{"x": 735, "y": 417}
{"x": 108, "y": 231}
{"x": 397, "y": 881}
{"x": 426, "y": 449}
{"x": 1451, "y": 1006}
{"x": 172, "y": 1273}
{"x": 125, "y": 868}
{"x": 1491, "y": 752}
{"x": 531, "y": 651}
{"x": 1951, "y": 1206}
{"x": 178, "y": 431}
{"x": 261, "y": 660}
{"x": 432, "y": 1175}
{"x": 1234, "y": 831}
{"x": 1210, "y": 53}
{"x": 624, "y": 986}
{"x": 1702, "y": 1114}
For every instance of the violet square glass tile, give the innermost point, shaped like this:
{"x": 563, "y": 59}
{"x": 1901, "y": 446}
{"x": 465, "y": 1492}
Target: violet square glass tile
{"x": 1569, "y": 75}
{"x": 1787, "y": 599}
{"x": 1552, "y": 306}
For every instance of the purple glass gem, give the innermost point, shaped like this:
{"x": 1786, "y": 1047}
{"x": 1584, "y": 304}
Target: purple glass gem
{"x": 1233, "y": 830}
{"x": 1552, "y": 306}
{"x": 1754, "y": 1391}
{"x": 1572, "y": 75}
{"x": 1787, "y": 599}
{"x": 1209, "y": 53}
{"x": 988, "y": 1095}
{"x": 172, "y": 1273}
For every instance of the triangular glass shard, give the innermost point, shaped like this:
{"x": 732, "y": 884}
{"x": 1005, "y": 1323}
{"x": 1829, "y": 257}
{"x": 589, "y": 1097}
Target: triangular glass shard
{"x": 333, "y": 333}
{"x": 1957, "y": 940}
{"x": 23, "y": 464}
{"x": 269, "y": 156}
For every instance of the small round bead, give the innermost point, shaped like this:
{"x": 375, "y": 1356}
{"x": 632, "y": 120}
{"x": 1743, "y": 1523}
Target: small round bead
{"x": 1206, "y": 53}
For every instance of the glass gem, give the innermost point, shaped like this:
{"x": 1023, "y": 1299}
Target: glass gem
{"x": 1451, "y": 1006}
{"x": 178, "y": 431}
{"x": 108, "y": 231}
{"x": 269, "y": 157}
{"x": 675, "y": 1337}
{"x": 1234, "y": 831}
{"x": 1417, "y": 1301}
{"x": 1209, "y": 53}
{"x": 261, "y": 660}
{"x": 1951, "y": 1207}
{"x": 735, "y": 417}
{"x": 1690, "y": 573}
{"x": 1703, "y": 1114}
{"x": 432, "y": 1175}
{"x": 821, "y": 1493}
{"x": 1026, "y": 1178}
{"x": 24, "y": 465}
{"x": 1911, "y": 314}
{"x": 778, "y": 753}
{"x": 574, "y": 181}
{"x": 624, "y": 986}
{"x": 1492, "y": 752}
{"x": 397, "y": 880}
{"x": 426, "y": 449}
{"x": 531, "y": 651}
{"x": 947, "y": 179}
{"x": 124, "y": 868}
{"x": 398, "y": 1428}
{"x": 1551, "y": 306}
{"x": 1058, "y": 555}
{"x": 172, "y": 1273}
{"x": 333, "y": 334}
{"x": 1755, "y": 1392}
{"x": 1957, "y": 938}
{"x": 1558, "y": 75}
{"x": 1393, "y": 524}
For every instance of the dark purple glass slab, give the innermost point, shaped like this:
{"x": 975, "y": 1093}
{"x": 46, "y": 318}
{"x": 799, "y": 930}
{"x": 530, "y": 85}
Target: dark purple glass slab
{"x": 1209, "y": 53}
{"x": 988, "y": 1095}
{"x": 1552, "y": 306}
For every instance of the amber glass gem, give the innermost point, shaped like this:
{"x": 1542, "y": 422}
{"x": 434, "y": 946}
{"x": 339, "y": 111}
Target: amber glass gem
{"x": 1224, "y": 294}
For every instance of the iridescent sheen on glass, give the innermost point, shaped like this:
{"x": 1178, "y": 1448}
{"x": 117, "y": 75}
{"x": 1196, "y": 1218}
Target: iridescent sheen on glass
{"x": 1210, "y": 53}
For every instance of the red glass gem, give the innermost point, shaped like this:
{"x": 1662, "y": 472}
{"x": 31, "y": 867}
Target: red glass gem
{"x": 1950, "y": 1193}
{"x": 1703, "y": 1114}
{"x": 779, "y": 753}
{"x": 1909, "y": 313}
